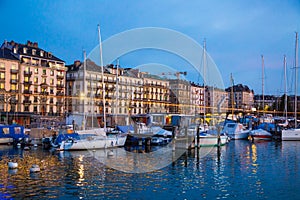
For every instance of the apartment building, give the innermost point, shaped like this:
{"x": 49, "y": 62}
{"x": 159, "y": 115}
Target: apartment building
{"x": 128, "y": 91}
{"x": 34, "y": 82}
{"x": 240, "y": 97}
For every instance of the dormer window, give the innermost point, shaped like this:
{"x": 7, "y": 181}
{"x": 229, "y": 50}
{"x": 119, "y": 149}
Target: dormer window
{"x": 15, "y": 50}
{"x": 33, "y": 52}
{"x": 42, "y": 53}
{"x": 49, "y": 55}
{"x": 24, "y": 50}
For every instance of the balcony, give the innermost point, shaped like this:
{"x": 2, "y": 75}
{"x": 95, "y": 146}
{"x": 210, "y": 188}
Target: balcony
{"x": 44, "y": 85}
{"x": 13, "y": 81}
{"x": 27, "y": 73}
{"x": 14, "y": 71}
{"x": 26, "y": 101}
{"x": 60, "y": 86}
{"x": 60, "y": 94}
{"x": 27, "y": 92}
{"x": 27, "y": 82}
{"x": 60, "y": 76}
{"x": 44, "y": 93}
{"x": 13, "y": 91}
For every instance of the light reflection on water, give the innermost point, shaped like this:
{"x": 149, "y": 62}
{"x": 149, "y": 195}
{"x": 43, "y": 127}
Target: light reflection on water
{"x": 241, "y": 169}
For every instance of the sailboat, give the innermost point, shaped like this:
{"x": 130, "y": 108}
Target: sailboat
{"x": 293, "y": 133}
{"x": 262, "y": 133}
{"x": 207, "y": 138}
{"x": 101, "y": 139}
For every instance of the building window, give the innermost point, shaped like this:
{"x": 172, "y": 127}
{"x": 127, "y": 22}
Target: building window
{"x": 44, "y": 72}
{"x": 35, "y": 99}
{"x": 2, "y": 86}
{"x": 26, "y": 108}
{"x": 13, "y": 87}
{"x": 42, "y": 53}
{"x": 44, "y": 80}
{"x": 33, "y": 52}
{"x": 34, "y": 108}
{"x": 36, "y": 70}
{"x": 51, "y": 73}
{"x": 36, "y": 89}
{"x": 2, "y": 75}
{"x": 25, "y": 50}
{"x": 13, "y": 66}
{"x": 2, "y": 66}
{"x": 36, "y": 79}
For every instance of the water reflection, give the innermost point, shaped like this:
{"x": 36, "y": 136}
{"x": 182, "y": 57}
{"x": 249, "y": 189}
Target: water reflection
{"x": 239, "y": 170}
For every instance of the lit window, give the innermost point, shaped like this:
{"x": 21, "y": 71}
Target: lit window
{"x": 33, "y": 52}
{"x": 13, "y": 66}
{"x": 2, "y": 66}
{"x": 36, "y": 70}
{"x": 24, "y": 50}
{"x": 44, "y": 72}
{"x": 2, "y": 86}
{"x": 36, "y": 79}
{"x": 44, "y": 80}
{"x": 51, "y": 73}
{"x": 2, "y": 75}
{"x": 41, "y": 53}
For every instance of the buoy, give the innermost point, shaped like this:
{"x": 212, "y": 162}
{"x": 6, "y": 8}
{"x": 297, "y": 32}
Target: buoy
{"x": 110, "y": 153}
{"x": 34, "y": 168}
{"x": 12, "y": 165}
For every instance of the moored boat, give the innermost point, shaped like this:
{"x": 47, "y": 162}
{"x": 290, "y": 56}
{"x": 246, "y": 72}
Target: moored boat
{"x": 236, "y": 131}
{"x": 260, "y": 134}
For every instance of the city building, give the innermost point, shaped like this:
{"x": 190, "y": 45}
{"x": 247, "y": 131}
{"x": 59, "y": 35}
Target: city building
{"x": 34, "y": 84}
{"x": 241, "y": 98}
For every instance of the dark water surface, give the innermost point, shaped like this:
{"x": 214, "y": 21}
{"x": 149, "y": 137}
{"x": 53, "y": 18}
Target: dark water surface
{"x": 239, "y": 170}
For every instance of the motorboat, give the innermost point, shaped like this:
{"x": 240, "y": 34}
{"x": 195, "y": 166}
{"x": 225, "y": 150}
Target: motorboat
{"x": 235, "y": 130}
{"x": 260, "y": 134}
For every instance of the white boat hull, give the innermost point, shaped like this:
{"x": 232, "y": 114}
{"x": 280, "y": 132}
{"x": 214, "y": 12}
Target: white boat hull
{"x": 93, "y": 143}
{"x": 260, "y": 134}
{"x": 290, "y": 134}
{"x": 212, "y": 140}
{"x": 6, "y": 140}
{"x": 239, "y": 135}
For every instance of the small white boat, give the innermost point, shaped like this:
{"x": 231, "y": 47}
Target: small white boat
{"x": 292, "y": 134}
{"x": 206, "y": 140}
{"x": 260, "y": 134}
{"x": 93, "y": 142}
{"x": 235, "y": 131}
{"x": 12, "y": 165}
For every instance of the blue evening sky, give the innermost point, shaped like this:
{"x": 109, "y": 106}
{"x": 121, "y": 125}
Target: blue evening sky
{"x": 237, "y": 33}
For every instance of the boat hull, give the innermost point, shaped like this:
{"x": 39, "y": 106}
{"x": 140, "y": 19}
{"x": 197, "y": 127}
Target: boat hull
{"x": 6, "y": 140}
{"x": 93, "y": 143}
{"x": 290, "y": 135}
{"x": 239, "y": 135}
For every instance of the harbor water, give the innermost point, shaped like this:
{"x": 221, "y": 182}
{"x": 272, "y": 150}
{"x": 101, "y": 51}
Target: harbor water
{"x": 239, "y": 170}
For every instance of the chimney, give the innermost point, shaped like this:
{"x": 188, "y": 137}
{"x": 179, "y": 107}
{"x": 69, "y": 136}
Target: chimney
{"x": 29, "y": 43}
{"x": 35, "y": 44}
{"x": 12, "y": 43}
{"x": 77, "y": 63}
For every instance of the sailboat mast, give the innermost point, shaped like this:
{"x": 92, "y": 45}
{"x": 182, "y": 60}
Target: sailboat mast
{"x": 204, "y": 79}
{"x": 84, "y": 89}
{"x": 296, "y": 77}
{"x": 102, "y": 74}
{"x": 262, "y": 84}
{"x": 232, "y": 96}
{"x": 285, "y": 88}
{"x": 117, "y": 88}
